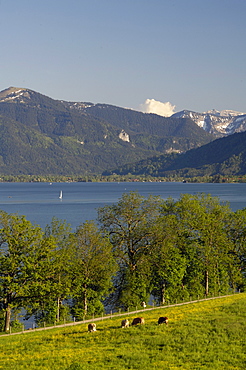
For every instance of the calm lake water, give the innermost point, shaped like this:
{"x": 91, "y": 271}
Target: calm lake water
{"x": 39, "y": 202}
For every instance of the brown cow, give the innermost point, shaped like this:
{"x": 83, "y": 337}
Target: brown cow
{"x": 92, "y": 327}
{"x": 125, "y": 323}
{"x": 138, "y": 320}
{"x": 163, "y": 320}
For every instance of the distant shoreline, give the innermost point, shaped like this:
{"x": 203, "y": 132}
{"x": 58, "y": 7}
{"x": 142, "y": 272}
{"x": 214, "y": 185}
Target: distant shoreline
{"x": 118, "y": 178}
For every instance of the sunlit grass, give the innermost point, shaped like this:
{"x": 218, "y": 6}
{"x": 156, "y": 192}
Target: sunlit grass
{"x": 203, "y": 335}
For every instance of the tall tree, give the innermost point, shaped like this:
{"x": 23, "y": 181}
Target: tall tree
{"x": 93, "y": 267}
{"x": 23, "y": 256}
{"x": 50, "y": 307}
{"x": 204, "y": 221}
{"x": 130, "y": 225}
{"x": 237, "y": 253}
{"x": 168, "y": 264}
{"x": 61, "y": 232}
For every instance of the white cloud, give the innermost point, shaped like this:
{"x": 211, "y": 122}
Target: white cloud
{"x": 157, "y": 107}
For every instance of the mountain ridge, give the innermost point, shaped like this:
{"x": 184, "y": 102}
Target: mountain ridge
{"x": 220, "y": 124}
{"x": 40, "y": 135}
{"x": 224, "y": 156}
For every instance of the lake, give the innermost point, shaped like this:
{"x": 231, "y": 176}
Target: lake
{"x": 39, "y": 202}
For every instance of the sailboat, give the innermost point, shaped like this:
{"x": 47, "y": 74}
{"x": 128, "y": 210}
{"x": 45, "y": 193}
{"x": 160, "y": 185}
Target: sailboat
{"x": 60, "y": 196}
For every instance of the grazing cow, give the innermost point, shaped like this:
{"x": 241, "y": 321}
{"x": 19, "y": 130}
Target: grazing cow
{"x": 143, "y": 304}
{"x": 125, "y": 323}
{"x": 138, "y": 320}
{"x": 92, "y": 327}
{"x": 163, "y": 320}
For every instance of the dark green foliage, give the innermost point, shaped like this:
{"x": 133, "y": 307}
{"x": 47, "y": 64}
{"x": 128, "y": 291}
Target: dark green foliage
{"x": 153, "y": 124}
{"x": 222, "y": 157}
{"x": 42, "y": 136}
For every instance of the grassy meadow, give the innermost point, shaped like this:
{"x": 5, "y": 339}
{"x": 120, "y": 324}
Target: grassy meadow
{"x": 204, "y": 335}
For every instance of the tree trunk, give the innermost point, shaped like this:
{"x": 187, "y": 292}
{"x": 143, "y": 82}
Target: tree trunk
{"x": 206, "y": 282}
{"x": 163, "y": 293}
{"x": 58, "y": 310}
{"x": 85, "y": 300}
{"x": 58, "y": 302}
{"x": 7, "y": 318}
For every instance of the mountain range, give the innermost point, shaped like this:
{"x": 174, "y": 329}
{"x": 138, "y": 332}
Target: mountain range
{"x": 40, "y": 135}
{"x": 220, "y": 124}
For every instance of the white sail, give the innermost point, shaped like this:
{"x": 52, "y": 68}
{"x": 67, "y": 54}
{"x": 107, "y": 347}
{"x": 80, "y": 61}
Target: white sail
{"x": 60, "y": 196}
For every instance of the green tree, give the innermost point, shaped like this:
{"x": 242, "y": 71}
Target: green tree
{"x": 204, "y": 223}
{"x": 23, "y": 260}
{"x": 193, "y": 276}
{"x": 237, "y": 261}
{"x": 63, "y": 238}
{"x": 93, "y": 267}
{"x": 168, "y": 264}
{"x": 130, "y": 225}
{"x": 50, "y": 305}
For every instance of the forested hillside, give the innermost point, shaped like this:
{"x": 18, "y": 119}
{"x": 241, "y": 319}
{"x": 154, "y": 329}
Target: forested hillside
{"x": 39, "y": 135}
{"x": 225, "y": 156}
{"x": 144, "y": 123}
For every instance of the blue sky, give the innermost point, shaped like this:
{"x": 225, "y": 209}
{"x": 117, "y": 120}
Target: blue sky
{"x": 191, "y": 53}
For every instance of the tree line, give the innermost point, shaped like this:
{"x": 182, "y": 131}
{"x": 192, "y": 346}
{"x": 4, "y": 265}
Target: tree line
{"x": 136, "y": 249}
{"x": 217, "y": 178}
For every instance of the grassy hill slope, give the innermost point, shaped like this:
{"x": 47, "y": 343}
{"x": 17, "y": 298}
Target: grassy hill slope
{"x": 205, "y": 335}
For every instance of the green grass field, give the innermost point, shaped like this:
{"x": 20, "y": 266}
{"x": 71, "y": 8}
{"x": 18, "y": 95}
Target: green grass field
{"x": 204, "y": 335}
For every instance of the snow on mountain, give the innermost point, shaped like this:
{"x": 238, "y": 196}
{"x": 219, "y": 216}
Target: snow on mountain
{"x": 218, "y": 123}
{"x": 77, "y": 105}
{"x": 15, "y": 94}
